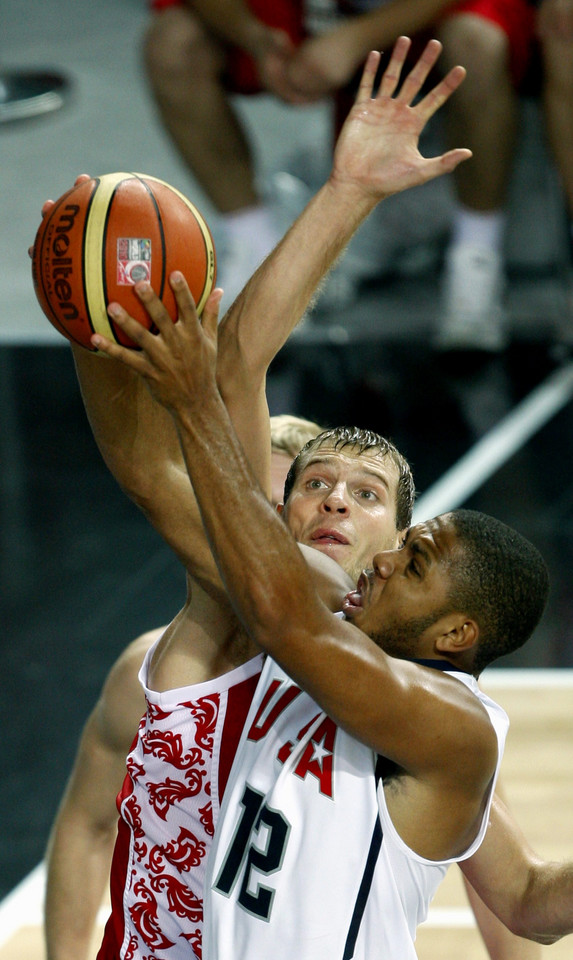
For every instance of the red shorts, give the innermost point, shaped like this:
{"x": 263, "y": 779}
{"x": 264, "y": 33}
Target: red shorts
{"x": 515, "y": 17}
{"x": 517, "y": 20}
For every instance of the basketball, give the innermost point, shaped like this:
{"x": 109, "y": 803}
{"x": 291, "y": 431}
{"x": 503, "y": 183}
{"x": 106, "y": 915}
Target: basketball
{"x": 104, "y": 235}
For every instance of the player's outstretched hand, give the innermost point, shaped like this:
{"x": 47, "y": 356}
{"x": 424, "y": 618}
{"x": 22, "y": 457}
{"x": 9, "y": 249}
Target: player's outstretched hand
{"x": 178, "y": 362}
{"x": 377, "y": 150}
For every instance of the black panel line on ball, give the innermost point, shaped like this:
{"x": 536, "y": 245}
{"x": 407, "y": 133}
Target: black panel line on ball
{"x": 161, "y": 234}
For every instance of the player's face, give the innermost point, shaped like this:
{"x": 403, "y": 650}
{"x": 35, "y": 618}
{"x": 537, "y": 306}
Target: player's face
{"x": 344, "y": 505}
{"x": 280, "y": 463}
{"x": 404, "y": 594}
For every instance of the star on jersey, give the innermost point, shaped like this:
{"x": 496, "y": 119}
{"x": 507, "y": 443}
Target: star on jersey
{"x": 314, "y": 756}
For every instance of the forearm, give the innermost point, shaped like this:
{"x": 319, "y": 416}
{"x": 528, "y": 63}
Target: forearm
{"x": 532, "y": 897}
{"x": 546, "y": 913}
{"x": 221, "y": 475}
{"x": 379, "y": 28}
{"x": 501, "y": 943}
{"x": 139, "y": 444}
{"x": 277, "y": 296}
{"x": 272, "y": 304}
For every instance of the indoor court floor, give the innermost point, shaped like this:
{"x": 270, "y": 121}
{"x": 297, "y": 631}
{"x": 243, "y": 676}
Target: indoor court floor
{"x": 81, "y": 571}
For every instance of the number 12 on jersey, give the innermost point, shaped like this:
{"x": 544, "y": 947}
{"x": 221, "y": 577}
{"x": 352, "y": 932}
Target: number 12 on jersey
{"x": 258, "y": 846}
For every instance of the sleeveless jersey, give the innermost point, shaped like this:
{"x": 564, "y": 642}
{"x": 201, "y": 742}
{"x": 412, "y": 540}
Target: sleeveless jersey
{"x": 169, "y": 804}
{"x": 305, "y": 861}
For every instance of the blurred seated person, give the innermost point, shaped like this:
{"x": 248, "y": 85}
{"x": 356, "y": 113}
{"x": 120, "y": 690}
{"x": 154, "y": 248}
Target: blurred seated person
{"x": 198, "y": 54}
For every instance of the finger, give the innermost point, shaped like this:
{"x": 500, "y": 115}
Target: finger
{"x": 419, "y": 72}
{"x": 154, "y": 307}
{"x": 437, "y": 166}
{"x": 131, "y": 358}
{"x": 367, "y": 79}
{"x": 391, "y": 76}
{"x": 436, "y": 97}
{"x": 136, "y": 332}
{"x": 47, "y": 206}
{"x": 186, "y": 307}
{"x": 81, "y": 179}
{"x": 210, "y": 315}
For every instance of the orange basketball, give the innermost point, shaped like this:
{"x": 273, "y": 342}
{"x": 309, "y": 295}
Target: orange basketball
{"x": 104, "y": 235}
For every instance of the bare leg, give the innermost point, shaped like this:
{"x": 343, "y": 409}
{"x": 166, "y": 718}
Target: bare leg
{"x": 184, "y": 64}
{"x": 558, "y": 106}
{"x": 484, "y": 118}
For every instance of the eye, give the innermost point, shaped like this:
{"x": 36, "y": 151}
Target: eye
{"x": 367, "y": 495}
{"x": 314, "y": 483}
{"x": 414, "y": 567}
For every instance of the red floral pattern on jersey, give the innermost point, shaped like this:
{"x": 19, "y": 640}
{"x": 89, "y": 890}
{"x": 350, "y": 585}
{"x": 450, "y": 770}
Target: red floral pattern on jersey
{"x": 131, "y": 948}
{"x": 155, "y": 713}
{"x": 167, "y": 805}
{"x": 144, "y": 916}
{"x": 135, "y": 770}
{"x": 164, "y": 795}
{"x": 206, "y": 818}
{"x": 168, "y": 746}
{"x": 195, "y": 940}
{"x": 205, "y": 713}
{"x": 182, "y": 901}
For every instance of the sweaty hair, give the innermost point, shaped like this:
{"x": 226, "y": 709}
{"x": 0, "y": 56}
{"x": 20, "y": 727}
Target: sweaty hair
{"x": 501, "y": 581}
{"x": 289, "y": 433}
{"x": 361, "y": 441}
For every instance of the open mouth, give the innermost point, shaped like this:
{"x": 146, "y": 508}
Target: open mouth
{"x": 351, "y": 604}
{"x": 327, "y": 536}
{"x": 354, "y": 600}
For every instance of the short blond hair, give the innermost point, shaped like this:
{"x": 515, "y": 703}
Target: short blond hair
{"x": 289, "y": 434}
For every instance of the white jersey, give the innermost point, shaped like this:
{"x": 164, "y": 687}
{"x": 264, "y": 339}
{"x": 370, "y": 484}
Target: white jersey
{"x": 169, "y": 806}
{"x": 305, "y": 862}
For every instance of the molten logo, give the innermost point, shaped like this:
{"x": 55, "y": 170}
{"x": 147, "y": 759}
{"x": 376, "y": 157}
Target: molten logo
{"x": 60, "y": 266}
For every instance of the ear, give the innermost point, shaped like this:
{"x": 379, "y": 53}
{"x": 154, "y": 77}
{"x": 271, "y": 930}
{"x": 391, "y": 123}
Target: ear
{"x": 459, "y": 633}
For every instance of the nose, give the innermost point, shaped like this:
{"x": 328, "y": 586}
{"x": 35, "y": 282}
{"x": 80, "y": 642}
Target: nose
{"x": 335, "y": 501}
{"x": 384, "y": 564}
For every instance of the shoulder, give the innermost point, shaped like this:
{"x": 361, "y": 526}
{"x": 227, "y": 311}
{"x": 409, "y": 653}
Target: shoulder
{"x": 329, "y": 579}
{"x": 122, "y": 702}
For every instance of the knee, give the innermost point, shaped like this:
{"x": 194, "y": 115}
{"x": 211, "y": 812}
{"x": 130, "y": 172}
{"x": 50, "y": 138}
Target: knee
{"x": 177, "y": 50}
{"x": 482, "y": 47}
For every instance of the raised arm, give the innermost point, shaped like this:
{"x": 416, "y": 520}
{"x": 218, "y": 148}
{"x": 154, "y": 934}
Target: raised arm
{"x": 81, "y": 841}
{"x": 377, "y": 155}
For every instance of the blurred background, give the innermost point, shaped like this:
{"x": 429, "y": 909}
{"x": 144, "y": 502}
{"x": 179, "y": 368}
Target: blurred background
{"x": 82, "y": 572}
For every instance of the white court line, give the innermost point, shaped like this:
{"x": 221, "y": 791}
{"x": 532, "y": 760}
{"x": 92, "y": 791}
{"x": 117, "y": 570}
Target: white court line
{"x": 497, "y": 446}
